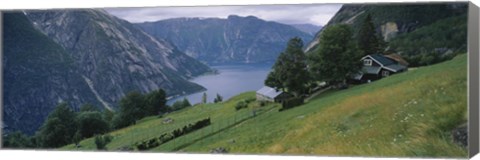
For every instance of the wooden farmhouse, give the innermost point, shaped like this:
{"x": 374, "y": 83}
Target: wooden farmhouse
{"x": 377, "y": 66}
{"x": 271, "y": 94}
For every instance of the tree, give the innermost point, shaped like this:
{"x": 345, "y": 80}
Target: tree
{"x": 107, "y": 115}
{"x": 218, "y": 98}
{"x": 155, "y": 102}
{"x": 289, "y": 73}
{"x": 204, "y": 98}
{"x": 91, "y": 123}
{"x": 180, "y": 104}
{"x": 59, "y": 127}
{"x": 77, "y": 137}
{"x": 336, "y": 58}
{"x": 132, "y": 108}
{"x": 88, "y": 107}
{"x": 177, "y": 105}
{"x": 17, "y": 140}
{"x": 186, "y": 103}
{"x": 368, "y": 40}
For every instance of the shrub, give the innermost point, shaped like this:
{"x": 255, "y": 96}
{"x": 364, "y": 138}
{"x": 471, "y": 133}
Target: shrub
{"x": 250, "y": 100}
{"x": 241, "y": 104}
{"x": 218, "y": 99}
{"x": 102, "y": 141}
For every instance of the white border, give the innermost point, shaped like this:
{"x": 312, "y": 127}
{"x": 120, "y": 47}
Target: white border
{"x": 51, "y": 4}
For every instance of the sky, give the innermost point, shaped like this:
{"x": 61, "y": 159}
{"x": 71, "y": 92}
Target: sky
{"x": 316, "y": 14}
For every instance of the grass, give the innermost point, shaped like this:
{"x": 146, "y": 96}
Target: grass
{"x": 407, "y": 114}
{"x": 153, "y": 126}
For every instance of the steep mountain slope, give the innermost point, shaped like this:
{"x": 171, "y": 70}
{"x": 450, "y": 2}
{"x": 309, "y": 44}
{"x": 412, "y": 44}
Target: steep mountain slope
{"x": 308, "y": 28}
{"x": 391, "y": 20}
{"x": 111, "y": 56}
{"x": 38, "y": 74}
{"x": 116, "y": 56}
{"x": 235, "y": 39}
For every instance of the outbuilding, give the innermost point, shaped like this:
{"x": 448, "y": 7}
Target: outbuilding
{"x": 271, "y": 94}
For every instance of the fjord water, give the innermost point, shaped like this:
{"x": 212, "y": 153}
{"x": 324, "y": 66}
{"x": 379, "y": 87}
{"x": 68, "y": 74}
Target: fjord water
{"x": 231, "y": 80}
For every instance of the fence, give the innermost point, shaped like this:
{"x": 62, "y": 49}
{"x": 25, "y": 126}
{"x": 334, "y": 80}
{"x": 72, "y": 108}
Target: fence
{"x": 203, "y": 135}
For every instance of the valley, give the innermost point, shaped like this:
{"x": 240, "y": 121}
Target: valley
{"x": 364, "y": 82}
{"x": 365, "y": 116}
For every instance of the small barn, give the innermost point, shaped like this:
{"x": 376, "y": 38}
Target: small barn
{"x": 271, "y": 94}
{"x": 377, "y": 66}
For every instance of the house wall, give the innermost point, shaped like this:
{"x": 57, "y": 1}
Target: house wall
{"x": 373, "y": 61}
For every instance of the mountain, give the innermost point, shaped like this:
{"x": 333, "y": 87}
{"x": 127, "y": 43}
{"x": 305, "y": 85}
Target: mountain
{"x": 232, "y": 40}
{"x": 393, "y": 20}
{"x": 308, "y": 28}
{"x": 38, "y": 73}
{"x": 99, "y": 59}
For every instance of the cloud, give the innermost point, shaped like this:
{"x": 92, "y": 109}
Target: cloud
{"x": 317, "y": 14}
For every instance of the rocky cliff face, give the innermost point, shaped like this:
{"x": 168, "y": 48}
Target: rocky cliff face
{"x": 393, "y": 19}
{"x": 38, "y": 74}
{"x": 109, "y": 57}
{"x": 235, "y": 39}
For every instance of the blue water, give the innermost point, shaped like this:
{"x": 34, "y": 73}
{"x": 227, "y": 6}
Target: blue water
{"x": 231, "y": 80}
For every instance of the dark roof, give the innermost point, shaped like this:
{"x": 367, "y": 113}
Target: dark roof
{"x": 395, "y": 67}
{"x": 269, "y": 92}
{"x": 397, "y": 58}
{"x": 382, "y": 59}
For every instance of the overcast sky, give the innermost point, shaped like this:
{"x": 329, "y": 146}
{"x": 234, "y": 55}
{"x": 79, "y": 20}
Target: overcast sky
{"x": 288, "y": 14}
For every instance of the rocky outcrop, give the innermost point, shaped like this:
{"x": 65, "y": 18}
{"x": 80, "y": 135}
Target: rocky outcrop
{"x": 389, "y": 30}
{"x": 114, "y": 53}
{"x": 107, "y": 58}
{"x": 391, "y": 20}
{"x": 232, "y": 40}
{"x": 38, "y": 74}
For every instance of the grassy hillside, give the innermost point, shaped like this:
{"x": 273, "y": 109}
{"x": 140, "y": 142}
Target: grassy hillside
{"x": 408, "y": 114}
{"x": 222, "y": 115}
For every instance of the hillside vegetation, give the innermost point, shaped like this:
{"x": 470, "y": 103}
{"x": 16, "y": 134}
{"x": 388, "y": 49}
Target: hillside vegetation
{"x": 423, "y": 34}
{"x": 408, "y": 114}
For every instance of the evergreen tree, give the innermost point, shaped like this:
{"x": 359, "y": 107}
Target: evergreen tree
{"x": 368, "y": 40}
{"x": 204, "y": 98}
{"x": 289, "y": 73}
{"x": 337, "y": 56}
{"x": 59, "y": 127}
{"x": 218, "y": 98}
{"x": 186, "y": 103}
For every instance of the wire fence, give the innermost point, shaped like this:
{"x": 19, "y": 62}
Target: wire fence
{"x": 201, "y": 136}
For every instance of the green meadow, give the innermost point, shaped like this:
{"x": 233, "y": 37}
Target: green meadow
{"x": 407, "y": 114}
